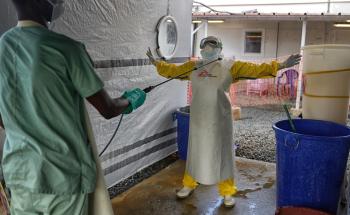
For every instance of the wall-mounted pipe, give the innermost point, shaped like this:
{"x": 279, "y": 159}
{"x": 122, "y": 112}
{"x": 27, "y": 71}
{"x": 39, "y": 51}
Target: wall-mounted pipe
{"x": 329, "y": 6}
{"x": 277, "y": 39}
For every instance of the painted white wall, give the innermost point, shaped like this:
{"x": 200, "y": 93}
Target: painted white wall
{"x": 232, "y": 36}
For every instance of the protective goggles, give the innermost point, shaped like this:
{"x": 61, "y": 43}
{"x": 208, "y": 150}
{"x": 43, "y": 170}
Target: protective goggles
{"x": 213, "y": 42}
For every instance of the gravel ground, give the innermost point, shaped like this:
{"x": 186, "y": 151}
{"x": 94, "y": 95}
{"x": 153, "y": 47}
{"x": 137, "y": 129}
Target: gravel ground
{"x": 253, "y": 134}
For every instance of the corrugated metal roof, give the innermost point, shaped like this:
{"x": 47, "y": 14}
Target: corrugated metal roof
{"x": 273, "y": 16}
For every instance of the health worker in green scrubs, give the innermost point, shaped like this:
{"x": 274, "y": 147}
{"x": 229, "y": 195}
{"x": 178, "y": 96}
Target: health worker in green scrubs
{"x": 44, "y": 78}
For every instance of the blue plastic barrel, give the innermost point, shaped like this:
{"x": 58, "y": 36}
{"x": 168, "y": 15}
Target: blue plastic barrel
{"x": 183, "y": 123}
{"x": 311, "y": 163}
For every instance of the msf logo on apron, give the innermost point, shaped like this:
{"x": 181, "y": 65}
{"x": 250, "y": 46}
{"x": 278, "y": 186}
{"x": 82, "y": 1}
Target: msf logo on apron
{"x": 205, "y": 74}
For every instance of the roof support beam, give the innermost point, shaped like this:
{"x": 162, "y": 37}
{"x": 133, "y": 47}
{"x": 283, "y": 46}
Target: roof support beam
{"x": 203, "y": 25}
{"x": 200, "y": 26}
{"x": 302, "y": 44}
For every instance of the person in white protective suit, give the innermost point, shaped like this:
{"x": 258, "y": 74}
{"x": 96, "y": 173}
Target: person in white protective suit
{"x": 210, "y": 149}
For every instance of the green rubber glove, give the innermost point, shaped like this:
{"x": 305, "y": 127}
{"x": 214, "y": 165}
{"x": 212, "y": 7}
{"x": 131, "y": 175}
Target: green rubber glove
{"x": 136, "y": 98}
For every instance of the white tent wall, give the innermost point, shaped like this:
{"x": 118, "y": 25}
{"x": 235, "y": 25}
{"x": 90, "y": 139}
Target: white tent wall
{"x": 117, "y": 34}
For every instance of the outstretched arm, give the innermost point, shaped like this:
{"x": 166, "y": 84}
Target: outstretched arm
{"x": 168, "y": 70}
{"x": 109, "y": 108}
{"x": 243, "y": 70}
{"x": 87, "y": 83}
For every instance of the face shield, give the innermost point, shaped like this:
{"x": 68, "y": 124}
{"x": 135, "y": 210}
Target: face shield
{"x": 210, "y": 48}
{"x": 211, "y": 41}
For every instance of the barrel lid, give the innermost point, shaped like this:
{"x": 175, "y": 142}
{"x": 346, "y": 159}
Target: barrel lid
{"x": 327, "y": 46}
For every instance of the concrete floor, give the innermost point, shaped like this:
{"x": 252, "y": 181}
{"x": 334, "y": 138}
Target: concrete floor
{"x": 156, "y": 195}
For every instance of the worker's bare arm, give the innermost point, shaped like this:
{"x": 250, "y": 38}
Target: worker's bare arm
{"x": 107, "y": 106}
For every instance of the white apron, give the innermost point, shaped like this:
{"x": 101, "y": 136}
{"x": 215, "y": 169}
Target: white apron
{"x": 99, "y": 201}
{"x": 210, "y": 148}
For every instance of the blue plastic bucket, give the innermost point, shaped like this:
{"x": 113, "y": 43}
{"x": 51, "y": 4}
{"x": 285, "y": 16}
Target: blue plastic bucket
{"x": 183, "y": 123}
{"x": 311, "y": 163}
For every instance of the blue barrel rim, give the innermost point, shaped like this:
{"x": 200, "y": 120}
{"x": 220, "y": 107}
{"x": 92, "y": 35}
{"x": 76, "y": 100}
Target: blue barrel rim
{"x": 308, "y": 135}
{"x": 181, "y": 112}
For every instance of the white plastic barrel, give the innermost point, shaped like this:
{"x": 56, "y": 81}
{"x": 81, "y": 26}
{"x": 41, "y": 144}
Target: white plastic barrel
{"x": 328, "y": 92}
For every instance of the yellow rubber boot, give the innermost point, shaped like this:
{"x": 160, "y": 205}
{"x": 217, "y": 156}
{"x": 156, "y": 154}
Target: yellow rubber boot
{"x": 189, "y": 184}
{"x": 228, "y": 189}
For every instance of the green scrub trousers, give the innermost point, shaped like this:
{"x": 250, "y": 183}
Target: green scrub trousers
{"x": 27, "y": 203}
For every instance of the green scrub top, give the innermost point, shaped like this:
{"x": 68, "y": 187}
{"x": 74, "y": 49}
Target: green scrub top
{"x": 44, "y": 78}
